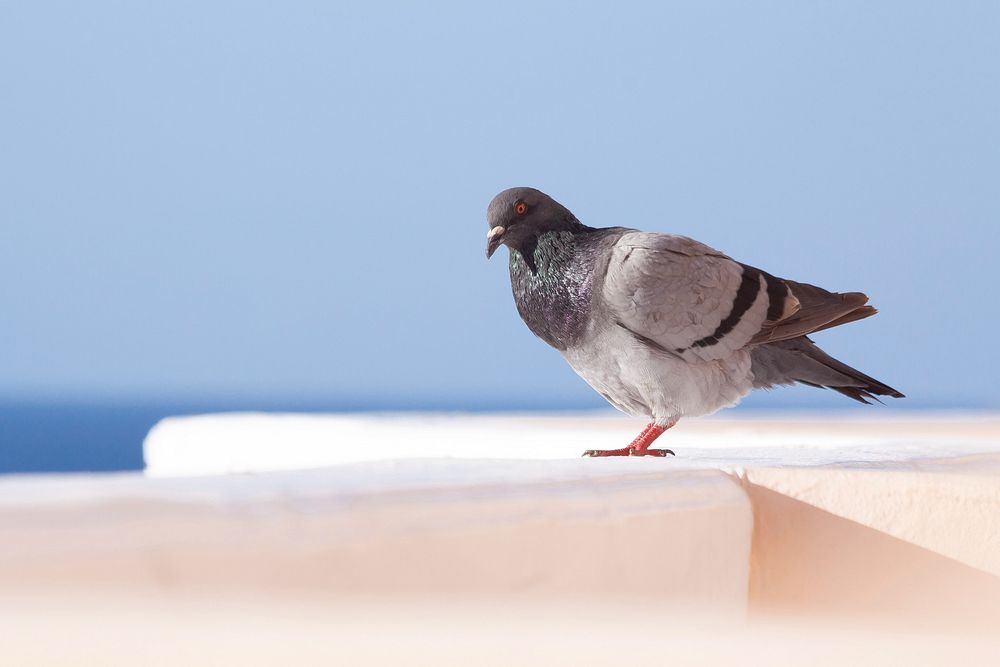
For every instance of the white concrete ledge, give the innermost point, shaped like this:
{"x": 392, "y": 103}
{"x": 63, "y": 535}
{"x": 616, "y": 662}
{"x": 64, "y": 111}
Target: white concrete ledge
{"x": 881, "y": 522}
{"x": 898, "y": 516}
{"x": 230, "y": 443}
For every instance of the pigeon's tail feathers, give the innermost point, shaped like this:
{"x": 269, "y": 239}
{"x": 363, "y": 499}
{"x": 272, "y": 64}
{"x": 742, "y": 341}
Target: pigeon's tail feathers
{"x": 853, "y": 316}
{"x": 809, "y": 309}
{"x": 799, "y": 360}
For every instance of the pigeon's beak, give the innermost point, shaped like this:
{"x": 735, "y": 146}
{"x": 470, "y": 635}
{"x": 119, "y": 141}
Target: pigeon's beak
{"x": 493, "y": 240}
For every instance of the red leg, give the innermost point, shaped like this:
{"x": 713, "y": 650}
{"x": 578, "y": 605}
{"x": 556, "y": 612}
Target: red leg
{"x": 639, "y": 446}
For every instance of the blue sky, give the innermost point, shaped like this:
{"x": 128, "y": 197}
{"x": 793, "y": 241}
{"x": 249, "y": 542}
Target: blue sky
{"x": 288, "y": 199}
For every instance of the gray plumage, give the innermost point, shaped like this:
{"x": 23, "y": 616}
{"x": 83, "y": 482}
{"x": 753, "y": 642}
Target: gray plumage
{"x": 662, "y": 325}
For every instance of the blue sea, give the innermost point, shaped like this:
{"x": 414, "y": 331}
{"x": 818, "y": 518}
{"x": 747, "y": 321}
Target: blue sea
{"x": 54, "y": 437}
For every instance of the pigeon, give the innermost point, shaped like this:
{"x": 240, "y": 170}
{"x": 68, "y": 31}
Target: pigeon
{"x": 662, "y": 326}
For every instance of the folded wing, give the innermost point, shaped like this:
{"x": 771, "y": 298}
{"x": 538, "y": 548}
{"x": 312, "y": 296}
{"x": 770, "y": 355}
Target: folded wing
{"x": 690, "y": 300}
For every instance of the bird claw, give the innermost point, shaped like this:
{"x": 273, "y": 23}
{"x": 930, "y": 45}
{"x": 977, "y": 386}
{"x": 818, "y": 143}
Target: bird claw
{"x": 628, "y": 451}
{"x": 655, "y": 452}
{"x": 608, "y": 452}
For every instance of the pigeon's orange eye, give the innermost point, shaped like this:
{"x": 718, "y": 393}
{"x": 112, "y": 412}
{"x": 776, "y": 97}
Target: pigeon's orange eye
{"x": 520, "y": 208}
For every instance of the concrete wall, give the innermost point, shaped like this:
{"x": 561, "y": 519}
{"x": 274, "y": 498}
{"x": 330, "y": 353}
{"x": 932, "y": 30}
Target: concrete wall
{"x": 760, "y": 529}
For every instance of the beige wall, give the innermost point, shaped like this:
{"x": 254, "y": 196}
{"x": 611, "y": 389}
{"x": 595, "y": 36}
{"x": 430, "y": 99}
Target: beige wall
{"x": 712, "y": 558}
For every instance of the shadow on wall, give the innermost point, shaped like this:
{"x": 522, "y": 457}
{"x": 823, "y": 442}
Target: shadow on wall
{"x": 805, "y": 560}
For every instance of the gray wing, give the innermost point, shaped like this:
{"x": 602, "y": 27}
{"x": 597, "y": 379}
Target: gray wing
{"x": 690, "y": 300}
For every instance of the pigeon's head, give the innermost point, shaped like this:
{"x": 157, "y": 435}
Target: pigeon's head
{"x": 518, "y": 216}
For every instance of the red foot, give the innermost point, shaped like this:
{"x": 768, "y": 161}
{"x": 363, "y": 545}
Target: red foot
{"x": 628, "y": 451}
{"x": 639, "y": 446}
